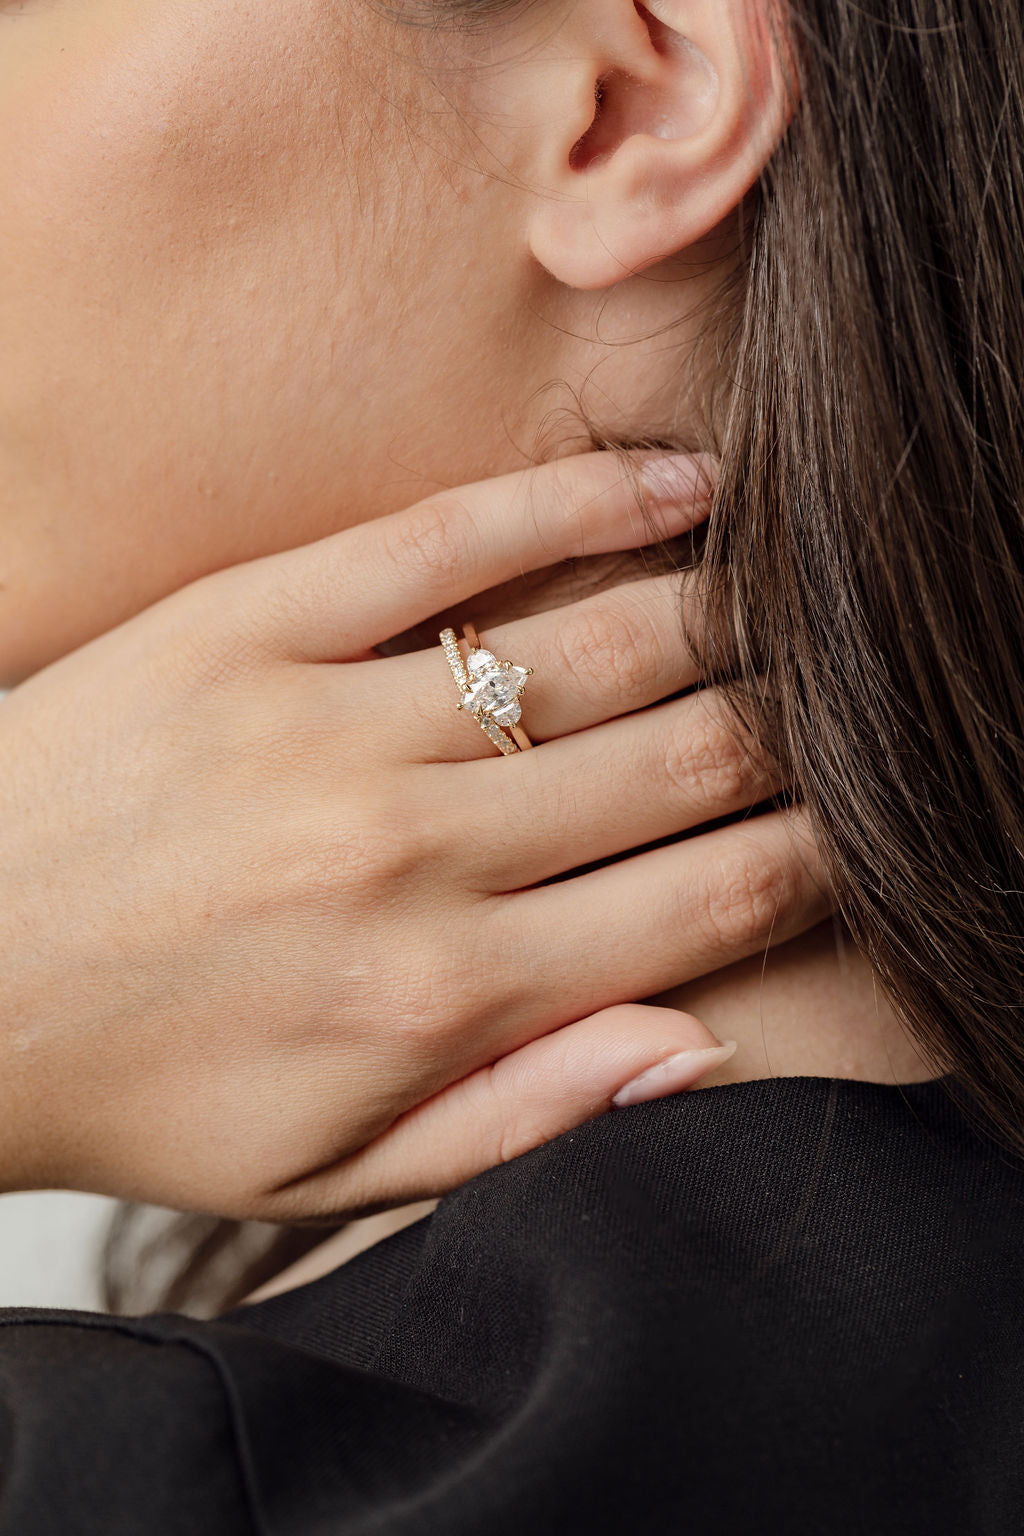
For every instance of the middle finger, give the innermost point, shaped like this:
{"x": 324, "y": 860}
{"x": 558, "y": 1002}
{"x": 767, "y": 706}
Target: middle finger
{"x": 599, "y": 793}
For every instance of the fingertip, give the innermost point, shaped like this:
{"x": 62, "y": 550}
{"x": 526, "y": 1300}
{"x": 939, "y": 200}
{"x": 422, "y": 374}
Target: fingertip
{"x": 673, "y": 1075}
{"x": 678, "y": 489}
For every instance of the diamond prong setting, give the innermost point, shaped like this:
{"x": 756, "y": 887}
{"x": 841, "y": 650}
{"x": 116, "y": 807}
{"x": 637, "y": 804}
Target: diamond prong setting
{"x": 489, "y": 690}
{"x": 495, "y": 688}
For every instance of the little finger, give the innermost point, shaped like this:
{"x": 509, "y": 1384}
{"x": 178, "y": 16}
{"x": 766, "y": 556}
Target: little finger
{"x": 662, "y": 918}
{"x": 608, "y": 655}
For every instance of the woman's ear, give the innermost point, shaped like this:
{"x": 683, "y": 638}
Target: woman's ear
{"x": 669, "y": 113}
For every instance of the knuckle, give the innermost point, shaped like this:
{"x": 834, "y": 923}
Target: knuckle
{"x": 439, "y": 1011}
{"x": 190, "y": 638}
{"x": 520, "y": 1135}
{"x": 586, "y": 493}
{"x": 432, "y": 539}
{"x": 401, "y": 840}
{"x": 498, "y": 1115}
{"x": 707, "y": 764}
{"x": 426, "y": 1006}
{"x": 367, "y": 858}
{"x": 521, "y": 1107}
{"x": 331, "y": 866}
{"x": 576, "y": 499}
{"x": 749, "y": 895}
{"x": 609, "y": 651}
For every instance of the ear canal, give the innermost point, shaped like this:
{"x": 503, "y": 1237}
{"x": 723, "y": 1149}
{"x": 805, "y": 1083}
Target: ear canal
{"x": 675, "y": 100}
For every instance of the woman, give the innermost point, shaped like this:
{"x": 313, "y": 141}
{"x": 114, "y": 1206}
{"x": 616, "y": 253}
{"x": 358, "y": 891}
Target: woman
{"x": 790, "y": 1301}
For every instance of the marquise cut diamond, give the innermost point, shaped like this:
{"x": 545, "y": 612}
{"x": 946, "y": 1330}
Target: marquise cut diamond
{"x": 496, "y": 687}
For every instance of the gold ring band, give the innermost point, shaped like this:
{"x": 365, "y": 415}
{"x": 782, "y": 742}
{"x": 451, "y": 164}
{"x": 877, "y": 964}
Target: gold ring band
{"x": 489, "y": 689}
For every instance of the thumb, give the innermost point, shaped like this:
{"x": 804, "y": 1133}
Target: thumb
{"x": 620, "y": 1056}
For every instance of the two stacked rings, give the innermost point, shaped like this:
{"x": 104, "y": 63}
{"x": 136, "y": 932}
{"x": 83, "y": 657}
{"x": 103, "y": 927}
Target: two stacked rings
{"x": 489, "y": 689}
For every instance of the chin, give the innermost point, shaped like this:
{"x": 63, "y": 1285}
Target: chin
{"x": 18, "y": 662}
{"x": 27, "y": 641}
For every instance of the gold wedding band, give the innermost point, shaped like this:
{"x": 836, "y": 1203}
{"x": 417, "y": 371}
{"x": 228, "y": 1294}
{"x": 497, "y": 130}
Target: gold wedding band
{"x": 489, "y": 689}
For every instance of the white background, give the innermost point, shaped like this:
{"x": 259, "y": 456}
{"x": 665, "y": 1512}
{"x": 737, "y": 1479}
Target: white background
{"x": 50, "y": 1249}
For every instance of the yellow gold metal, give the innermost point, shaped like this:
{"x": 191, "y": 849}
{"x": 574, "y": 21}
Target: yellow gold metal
{"x": 453, "y": 653}
{"x": 507, "y": 739}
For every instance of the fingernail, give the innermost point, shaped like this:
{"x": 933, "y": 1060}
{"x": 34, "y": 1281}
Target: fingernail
{"x": 673, "y": 1074}
{"x": 680, "y": 485}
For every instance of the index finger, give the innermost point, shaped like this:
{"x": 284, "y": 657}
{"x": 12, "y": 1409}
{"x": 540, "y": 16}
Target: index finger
{"x": 343, "y": 595}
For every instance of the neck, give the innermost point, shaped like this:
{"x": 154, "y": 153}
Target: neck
{"x": 811, "y": 1008}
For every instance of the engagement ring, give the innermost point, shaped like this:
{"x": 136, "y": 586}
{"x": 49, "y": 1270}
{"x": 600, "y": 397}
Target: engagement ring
{"x": 490, "y": 690}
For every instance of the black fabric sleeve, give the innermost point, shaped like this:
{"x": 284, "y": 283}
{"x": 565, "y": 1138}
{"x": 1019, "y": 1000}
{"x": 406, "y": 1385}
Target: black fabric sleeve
{"x": 107, "y": 1427}
{"x": 789, "y": 1308}
{"x": 167, "y": 1427}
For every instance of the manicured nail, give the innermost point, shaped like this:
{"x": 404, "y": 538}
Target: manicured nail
{"x": 673, "y": 1074}
{"x": 679, "y": 485}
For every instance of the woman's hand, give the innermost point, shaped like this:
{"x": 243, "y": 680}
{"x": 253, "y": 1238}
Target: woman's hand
{"x": 281, "y": 931}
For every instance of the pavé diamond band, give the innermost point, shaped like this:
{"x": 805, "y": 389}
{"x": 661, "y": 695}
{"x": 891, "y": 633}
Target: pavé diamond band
{"x": 490, "y": 690}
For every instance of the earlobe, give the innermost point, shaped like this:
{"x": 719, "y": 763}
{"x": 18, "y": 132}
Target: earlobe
{"x": 690, "y": 102}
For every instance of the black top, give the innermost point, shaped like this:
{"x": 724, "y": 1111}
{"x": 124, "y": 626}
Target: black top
{"x": 793, "y": 1306}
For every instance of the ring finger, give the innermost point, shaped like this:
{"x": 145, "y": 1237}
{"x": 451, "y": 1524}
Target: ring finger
{"x": 608, "y": 655}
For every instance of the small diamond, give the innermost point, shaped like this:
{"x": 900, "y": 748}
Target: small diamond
{"x": 508, "y": 714}
{"x": 480, "y": 662}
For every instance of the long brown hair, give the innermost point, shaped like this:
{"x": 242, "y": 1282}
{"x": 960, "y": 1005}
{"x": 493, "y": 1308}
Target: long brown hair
{"x": 867, "y": 568}
{"x": 865, "y": 561}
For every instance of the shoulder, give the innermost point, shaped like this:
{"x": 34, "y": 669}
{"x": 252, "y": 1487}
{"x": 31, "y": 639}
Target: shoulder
{"x": 790, "y": 1305}
{"x": 116, "y": 1426}
{"x": 785, "y": 1305}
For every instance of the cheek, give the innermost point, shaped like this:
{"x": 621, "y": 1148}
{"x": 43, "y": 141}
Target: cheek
{"x": 171, "y": 275}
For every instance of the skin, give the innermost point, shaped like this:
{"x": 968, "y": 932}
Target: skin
{"x": 810, "y": 1009}
{"x": 239, "y": 313}
{"x": 262, "y": 957}
{"x": 271, "y": 272}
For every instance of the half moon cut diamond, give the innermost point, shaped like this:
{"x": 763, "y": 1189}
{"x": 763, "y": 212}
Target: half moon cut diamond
{"x": 494, "y": 689}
